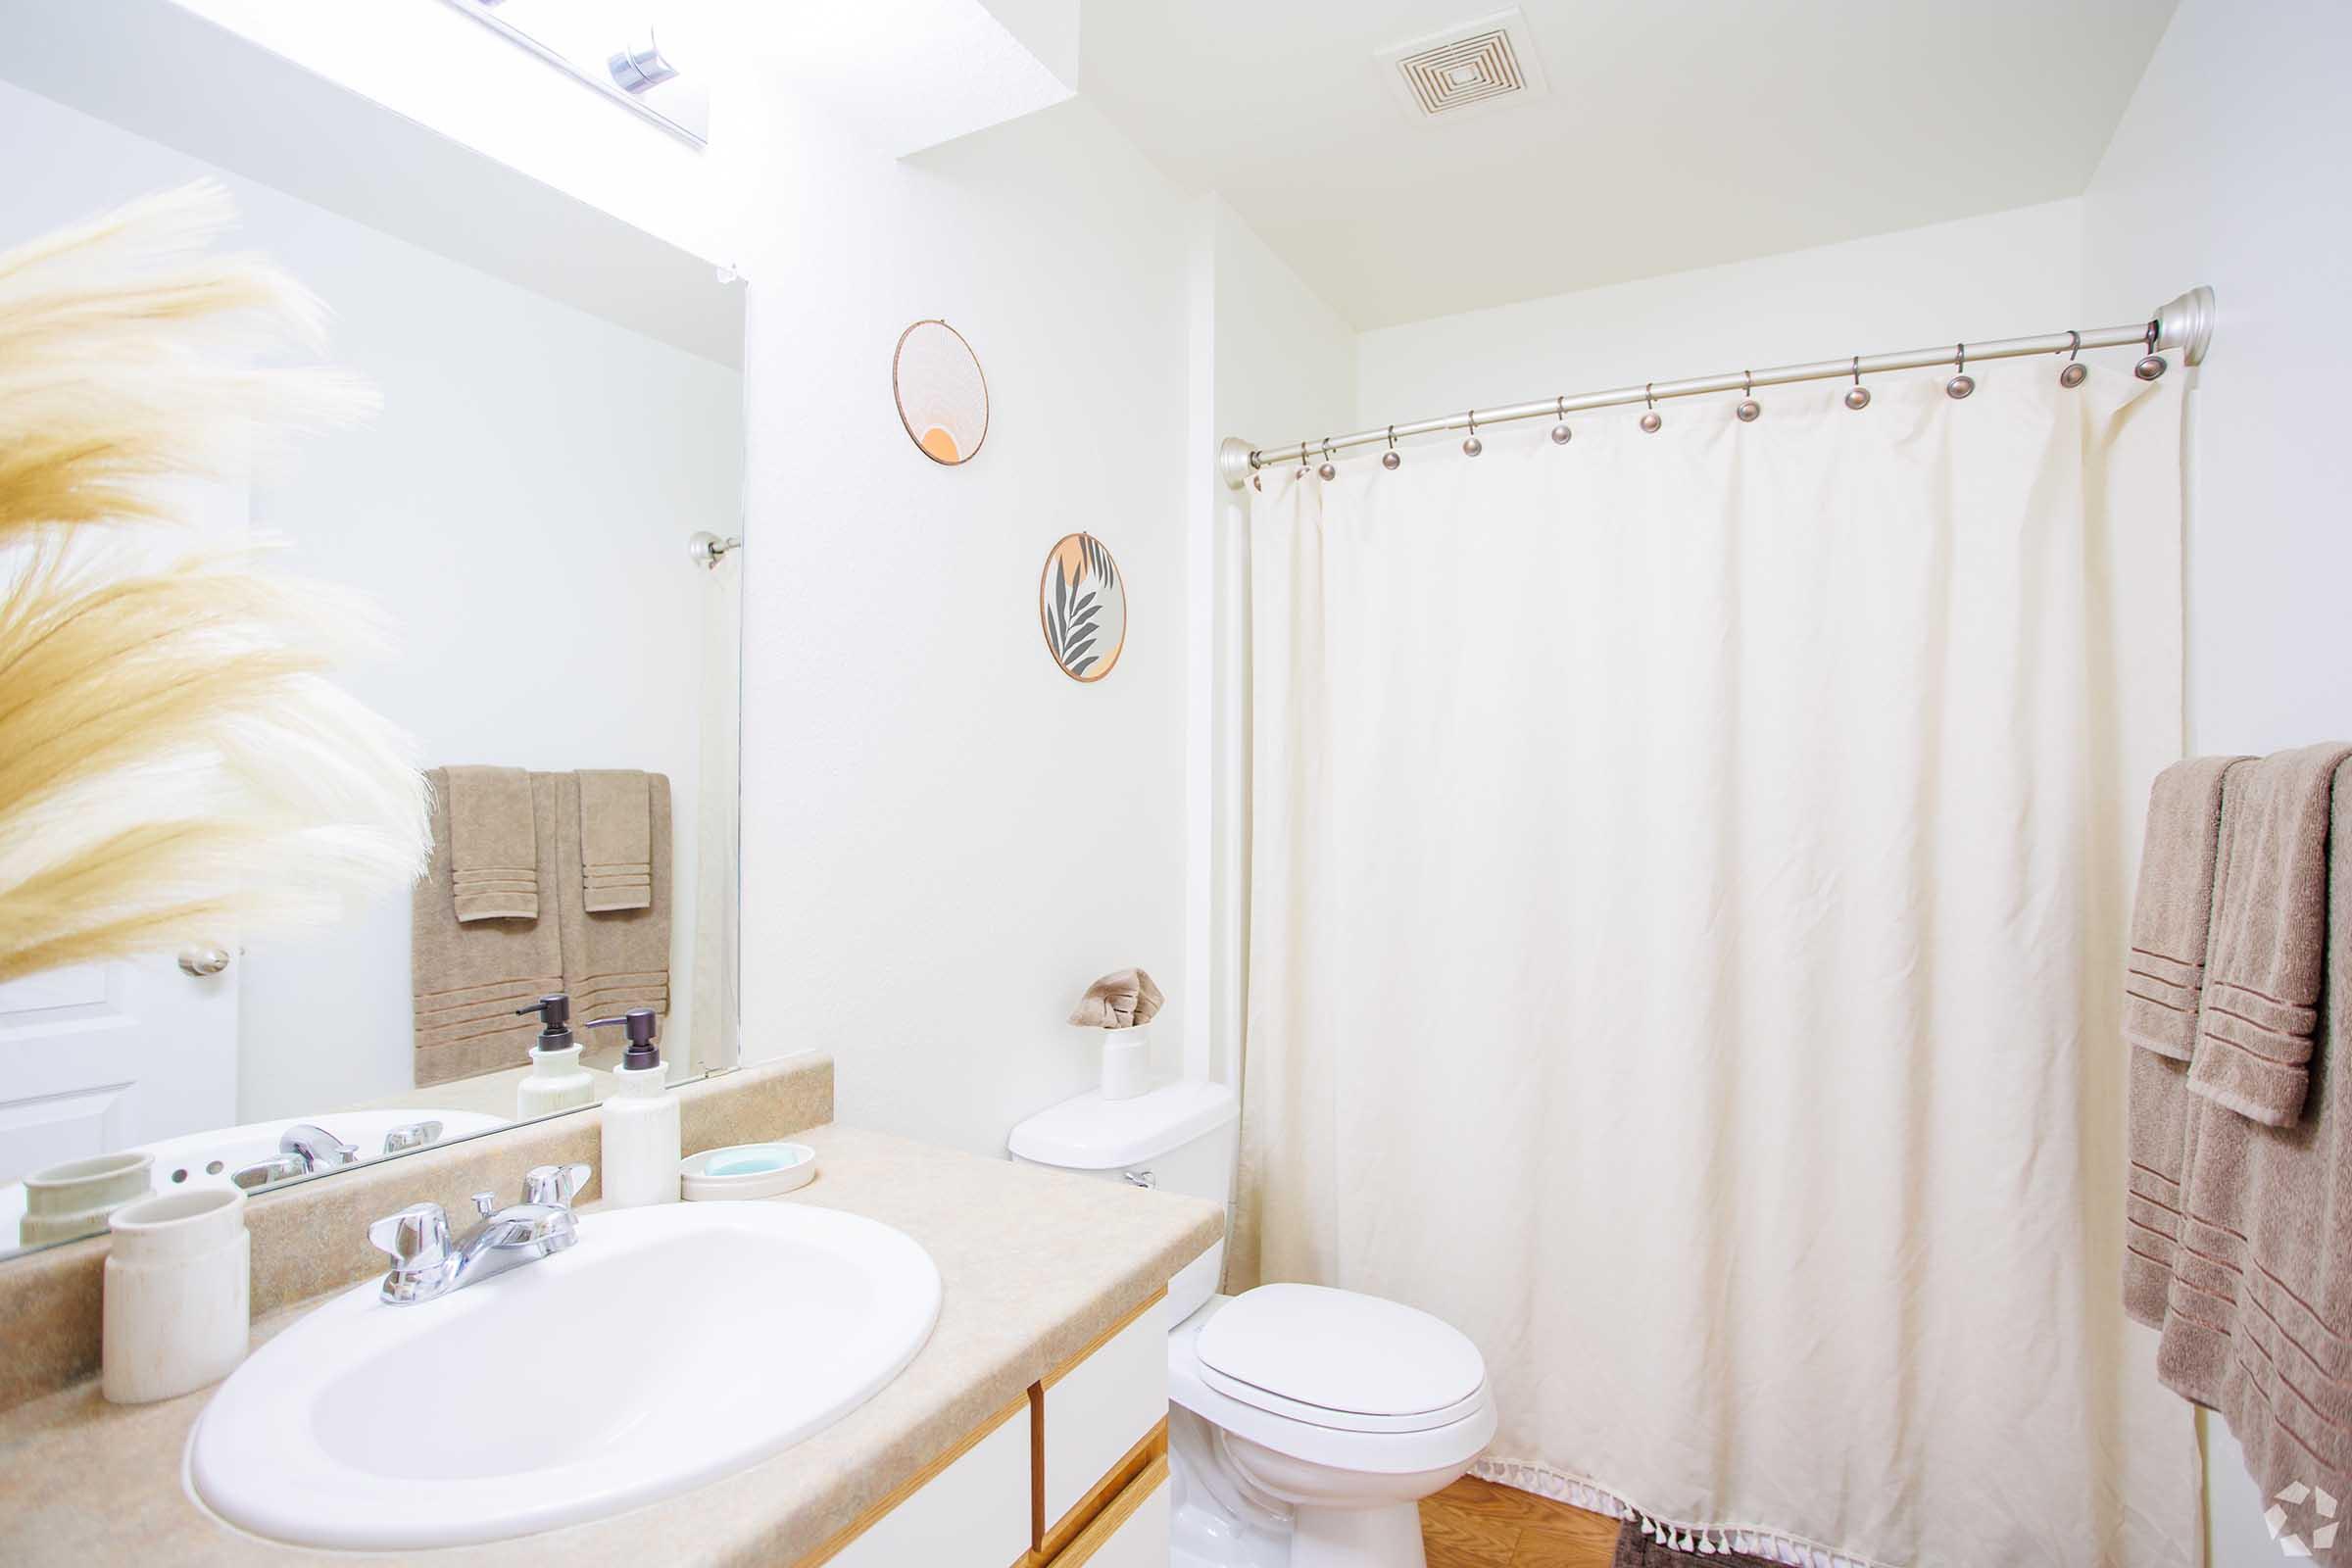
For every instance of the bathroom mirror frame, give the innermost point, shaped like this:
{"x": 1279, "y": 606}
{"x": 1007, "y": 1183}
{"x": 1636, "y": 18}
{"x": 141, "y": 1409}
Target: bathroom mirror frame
{"x": 129, "y": 64}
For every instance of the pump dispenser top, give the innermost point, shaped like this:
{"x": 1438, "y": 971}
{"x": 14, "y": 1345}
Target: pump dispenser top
{"x": 639, "y": 1024}
{"x": 554, "y": 1020}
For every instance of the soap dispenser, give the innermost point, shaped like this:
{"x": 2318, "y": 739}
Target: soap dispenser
{"x": 556, "y": 1081}
{"x": 641, "y": 1121}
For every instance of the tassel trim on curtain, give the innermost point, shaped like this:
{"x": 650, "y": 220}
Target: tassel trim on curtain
{"x": 1704, "y": 1539}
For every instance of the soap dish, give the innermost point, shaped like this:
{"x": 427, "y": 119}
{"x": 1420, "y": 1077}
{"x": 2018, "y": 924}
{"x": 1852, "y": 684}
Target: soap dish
{"x": 746, "y": 1170}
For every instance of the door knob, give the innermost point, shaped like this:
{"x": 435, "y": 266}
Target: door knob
{"x": 198, "y": 963}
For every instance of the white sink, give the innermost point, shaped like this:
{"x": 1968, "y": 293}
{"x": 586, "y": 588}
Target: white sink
{"x": 670, "y": 1346}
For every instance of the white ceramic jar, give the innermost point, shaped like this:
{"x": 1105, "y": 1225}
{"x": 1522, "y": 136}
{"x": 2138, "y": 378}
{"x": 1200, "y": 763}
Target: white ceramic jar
{"x": 1126, "y": 1061}
{"x": 75, "y": 1198}
{"x": 641, "y": 1141}
{"x": 178, "y": 1309}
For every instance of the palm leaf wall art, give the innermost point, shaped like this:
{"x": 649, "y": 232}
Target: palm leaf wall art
{"x": 1082, "y": 605}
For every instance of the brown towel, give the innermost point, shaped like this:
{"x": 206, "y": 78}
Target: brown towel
{"x": 616, "y": 867}
{"x": 1119, "y": 1000}
{"x": 2163, "y": 975}
{"x": 466, "y": 979}
{"x": 2262, "y": 982}
{"x": 493, "y": 844}
{"x": 2261, "y": 1321}
{"x": 1638, "y": 1551}
{"x": 614, "y": 959}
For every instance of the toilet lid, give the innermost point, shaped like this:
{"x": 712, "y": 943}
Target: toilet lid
{"x": 1337, "y": 1358}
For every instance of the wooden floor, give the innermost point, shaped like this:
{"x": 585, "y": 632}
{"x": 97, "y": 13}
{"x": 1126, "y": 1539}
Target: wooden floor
{"x": 1477, "y": 1524}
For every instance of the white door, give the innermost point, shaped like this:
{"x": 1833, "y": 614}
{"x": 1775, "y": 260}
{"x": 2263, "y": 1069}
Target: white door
{"x": 99, "y": 1056}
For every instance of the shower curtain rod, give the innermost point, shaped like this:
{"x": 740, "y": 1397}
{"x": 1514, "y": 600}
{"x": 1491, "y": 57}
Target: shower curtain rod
{"x": 2184, "y": 324}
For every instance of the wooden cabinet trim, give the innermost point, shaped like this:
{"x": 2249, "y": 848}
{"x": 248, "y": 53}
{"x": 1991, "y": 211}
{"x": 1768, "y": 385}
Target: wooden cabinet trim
{"x": 1122, "y": 1507}
{"x": 1154, "y": 1445}
{"x": 1037, "y": 1468}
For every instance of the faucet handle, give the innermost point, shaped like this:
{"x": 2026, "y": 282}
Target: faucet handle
{"x": 417, "y": 1237}
{"x": 554, "y": 1185}
{"x": 415, "y": 1135}
{"x": 485, "y": 1203}
{"x": 277, "y": 1168}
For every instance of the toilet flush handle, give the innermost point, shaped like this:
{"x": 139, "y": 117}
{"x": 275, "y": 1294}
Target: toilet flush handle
{"x": 1139, "y": 1178}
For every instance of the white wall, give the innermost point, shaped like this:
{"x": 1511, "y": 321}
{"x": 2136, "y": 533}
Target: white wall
{"x": 520, "y": 506}
{"x": 945, "y": 838}
{"x": 2001, "y": 275}
{"x": 1268, "y": 355}
{"x": 2228, "y": 168}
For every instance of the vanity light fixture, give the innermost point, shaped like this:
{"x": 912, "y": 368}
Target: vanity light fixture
{"x": 578, "y": 38}
{"x": 636, "y": 70}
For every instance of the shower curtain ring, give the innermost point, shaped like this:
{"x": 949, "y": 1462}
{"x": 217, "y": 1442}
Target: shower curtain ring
{"x": 1560, "y": 432}
{"x": 2075, "y": 371}
{"x": 1962, "y": 384}
{"x": 2153, "y": 365}
{"x": 1302, "y": 460}
{"x": 1389, "y": 458}
{"x": 1650, "y": 421}
{"x": 1858, "y": 396}
{"x": 1473, "y": 446}
{"x": 1329, "y": 469}
{"x": 1749, "y": 407}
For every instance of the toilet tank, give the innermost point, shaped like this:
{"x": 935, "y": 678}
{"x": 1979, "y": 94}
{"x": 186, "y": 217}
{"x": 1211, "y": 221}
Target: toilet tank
{"x": 1178, "y": 1138}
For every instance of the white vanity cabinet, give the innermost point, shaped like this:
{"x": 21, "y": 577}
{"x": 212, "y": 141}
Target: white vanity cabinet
{"x": 972, "y": 1513}
{"x": 1103, "y": 1418}
{"x": 1072, "y": 1476}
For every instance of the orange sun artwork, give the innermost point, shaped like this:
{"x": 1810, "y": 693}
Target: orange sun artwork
{"x": 941, "y": 392}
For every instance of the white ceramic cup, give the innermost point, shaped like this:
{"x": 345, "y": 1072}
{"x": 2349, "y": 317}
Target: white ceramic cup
{"x": 1126, "y": 1061}
{"x": 179, "y": 1310}
{"x": 73, "y": 1198}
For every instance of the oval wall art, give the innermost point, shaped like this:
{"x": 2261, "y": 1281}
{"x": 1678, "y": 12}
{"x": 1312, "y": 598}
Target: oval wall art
{"x": 941, "y": 392}
{"x": 1082, "y": 602}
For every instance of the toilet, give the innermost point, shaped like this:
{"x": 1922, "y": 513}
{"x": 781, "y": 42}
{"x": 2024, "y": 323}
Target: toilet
{"x": 1305, "y": 1424}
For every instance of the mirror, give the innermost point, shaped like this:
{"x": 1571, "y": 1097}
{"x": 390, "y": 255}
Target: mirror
{"x": 543, "y": 509}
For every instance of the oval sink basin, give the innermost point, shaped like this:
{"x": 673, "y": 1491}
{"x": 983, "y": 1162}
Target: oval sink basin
{"x": 670, "y": 1346}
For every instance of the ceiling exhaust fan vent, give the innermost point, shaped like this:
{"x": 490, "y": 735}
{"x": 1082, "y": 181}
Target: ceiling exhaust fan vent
{"x": 1472, "y": 66}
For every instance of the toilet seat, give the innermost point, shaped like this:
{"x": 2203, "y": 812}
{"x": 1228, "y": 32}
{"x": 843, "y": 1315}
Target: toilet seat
{"x": 1340, "y": 1359}
{"x": 1315, "y": 1432}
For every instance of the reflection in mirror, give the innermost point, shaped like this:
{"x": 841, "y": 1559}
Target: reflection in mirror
{"x": 518, "y": 512}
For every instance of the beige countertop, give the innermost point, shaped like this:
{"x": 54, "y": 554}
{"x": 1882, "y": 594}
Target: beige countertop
{"x": 1033, "y": 1264}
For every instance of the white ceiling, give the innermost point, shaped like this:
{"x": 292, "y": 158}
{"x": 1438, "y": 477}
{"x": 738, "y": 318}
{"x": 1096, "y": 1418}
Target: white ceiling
{"x": 1676, "y": 133}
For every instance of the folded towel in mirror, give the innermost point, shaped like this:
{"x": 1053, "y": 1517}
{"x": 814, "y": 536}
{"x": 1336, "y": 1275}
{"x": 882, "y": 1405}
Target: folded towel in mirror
{"x": 493, "y": 844}
{"x": 619, "y": 957}
{"x": 466, "y": 979}
{"x": 617, "y": 866}
{"x": 1118, "y": 1001}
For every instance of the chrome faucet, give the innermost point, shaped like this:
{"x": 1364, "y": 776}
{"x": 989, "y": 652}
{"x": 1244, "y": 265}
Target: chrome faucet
{"x": 302, "y": 1149}
{"x": 320, "y": 1149}
{"x": 427, "y": 1263}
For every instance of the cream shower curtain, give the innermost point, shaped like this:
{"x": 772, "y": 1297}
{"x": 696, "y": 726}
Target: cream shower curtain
{"x": 1688, "y": 882}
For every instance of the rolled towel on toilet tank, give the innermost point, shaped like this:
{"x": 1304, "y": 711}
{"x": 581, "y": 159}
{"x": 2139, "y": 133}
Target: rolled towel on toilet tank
{"x": 1119, "y": 1000}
